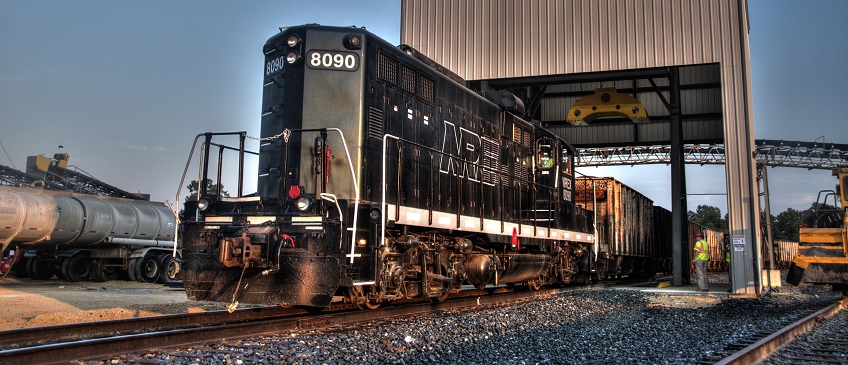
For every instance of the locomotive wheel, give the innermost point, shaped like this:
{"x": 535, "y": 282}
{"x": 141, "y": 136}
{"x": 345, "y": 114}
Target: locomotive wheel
{"x": 132, "y": 268}
{"x": 148, "y": 268}
{"x": 76, "y": 268}
{"x": 534, "y": 285}
{"x": 372, "y": 304}
{"x": 356, "y": 293}
{"x": 39, "y": 268}
{"x": 100, "y": 272}
{"x": 439, "y": 298}
{"x": 168, "y": 269}
{"x": 600, "y": 275}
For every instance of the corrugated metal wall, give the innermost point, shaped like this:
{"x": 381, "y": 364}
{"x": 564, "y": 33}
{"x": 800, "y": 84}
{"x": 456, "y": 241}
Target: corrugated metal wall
{"x": 480, "y": 39}
{"x": 489, "y": 39}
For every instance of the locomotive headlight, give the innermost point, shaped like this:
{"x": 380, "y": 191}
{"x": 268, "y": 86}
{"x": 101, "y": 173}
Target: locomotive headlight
{"x": 352, "y": 41}
{"x": 292, "y": 57}
{"x": 374, "y": 214}
{"x": 302, "y": 204}
{"x": 204, "y": 204}
{"x": 292, "y": 40}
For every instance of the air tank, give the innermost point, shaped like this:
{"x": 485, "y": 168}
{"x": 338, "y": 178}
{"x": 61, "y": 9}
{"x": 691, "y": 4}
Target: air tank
{"x": 33, "y": 216}
{"x": 524, "y": 267}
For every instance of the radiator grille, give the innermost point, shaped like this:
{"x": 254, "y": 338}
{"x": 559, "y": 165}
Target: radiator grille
{"x": 393, "y": 72}
{"x": 387, "y": 68}
{"x": 428, "y": 89}
{"x": 521, "y": 136}
{"x": 490, "y": 160}
{"x": 375, "y": 123}
{"x": 407, "y": 79}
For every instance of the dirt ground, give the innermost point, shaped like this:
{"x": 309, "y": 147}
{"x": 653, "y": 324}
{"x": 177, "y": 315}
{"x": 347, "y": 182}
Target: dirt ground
{"x": 29, "y": 303}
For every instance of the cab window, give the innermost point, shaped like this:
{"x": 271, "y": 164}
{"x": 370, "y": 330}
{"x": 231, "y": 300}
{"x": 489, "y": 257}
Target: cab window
{"x": 545, "y": 157}
{"x": 567, "y": 161}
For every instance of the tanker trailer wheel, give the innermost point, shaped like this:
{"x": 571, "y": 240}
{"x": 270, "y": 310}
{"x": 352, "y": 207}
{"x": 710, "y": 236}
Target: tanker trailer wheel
{"x": 132, "y": 269}
{"x": 168, "y": 269}
{"x": 148, "y": 268}
{"x": 76, "y": 268}
{"x": 38, "y": 267}
{"x": 100, "y": 272}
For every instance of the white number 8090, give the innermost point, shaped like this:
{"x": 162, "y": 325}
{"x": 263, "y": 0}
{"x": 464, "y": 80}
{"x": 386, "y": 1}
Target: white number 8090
{"x": 333, "y": 60}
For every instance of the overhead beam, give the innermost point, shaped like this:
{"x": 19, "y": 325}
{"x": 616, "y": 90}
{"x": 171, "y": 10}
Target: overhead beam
{"x": 808, "y": 155}
{"x": 530, "y": 81}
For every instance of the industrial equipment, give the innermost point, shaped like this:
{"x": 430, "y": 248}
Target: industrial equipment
{"x": 823, "y": 251}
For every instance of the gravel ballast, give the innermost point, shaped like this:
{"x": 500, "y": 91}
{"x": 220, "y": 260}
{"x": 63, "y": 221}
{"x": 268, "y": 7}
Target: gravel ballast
{"x": 588, "y": 326}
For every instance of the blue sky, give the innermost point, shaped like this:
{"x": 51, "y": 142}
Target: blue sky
{"x": 125, "y": 86}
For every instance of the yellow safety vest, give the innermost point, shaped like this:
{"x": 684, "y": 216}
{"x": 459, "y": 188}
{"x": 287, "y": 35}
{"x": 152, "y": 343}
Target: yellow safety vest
{"x": 704, "y": 246}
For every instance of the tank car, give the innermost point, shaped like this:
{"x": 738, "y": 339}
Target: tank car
{"x": 382, "y": 177}
{"x": 82, "y": 236}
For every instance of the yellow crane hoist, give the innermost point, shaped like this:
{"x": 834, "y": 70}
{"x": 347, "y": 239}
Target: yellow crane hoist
{"x": 606, "y": 102}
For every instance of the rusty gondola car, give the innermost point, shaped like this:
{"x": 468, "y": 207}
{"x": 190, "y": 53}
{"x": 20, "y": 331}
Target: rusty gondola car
{"x": 634, "y": 237}
{"x": 625, "y": 229}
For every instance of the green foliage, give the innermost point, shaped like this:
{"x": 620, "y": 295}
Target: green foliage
{"x": 785, "y": 225}
{"x": 211, "y": 188}
{"x": 709, "y": 216}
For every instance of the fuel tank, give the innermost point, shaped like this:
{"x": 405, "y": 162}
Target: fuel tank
{"x": 34, "y": 216}
{"x": 523, "y": 267}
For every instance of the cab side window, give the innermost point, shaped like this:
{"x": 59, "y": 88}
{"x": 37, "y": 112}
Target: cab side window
{"x": 545, "y": 156}
{"x": 566, "y": 161}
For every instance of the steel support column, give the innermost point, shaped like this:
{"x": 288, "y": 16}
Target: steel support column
{"x": 740, "y": 168}
{"x": 679, "y": 238}
{"x": 767, "y": 216}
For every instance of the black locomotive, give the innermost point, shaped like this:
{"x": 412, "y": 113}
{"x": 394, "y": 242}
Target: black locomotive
{"x": 382, "y": 177}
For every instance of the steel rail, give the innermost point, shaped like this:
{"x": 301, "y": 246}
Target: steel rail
{"x": 761, "y": 349}
{"x": 31, "y": 336}
{"x": 98, "y": 348}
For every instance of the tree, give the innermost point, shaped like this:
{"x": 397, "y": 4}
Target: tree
{"x": 708, "y": 216}
{"x": 785, "y": 225}
{"x": 211, "y": 188}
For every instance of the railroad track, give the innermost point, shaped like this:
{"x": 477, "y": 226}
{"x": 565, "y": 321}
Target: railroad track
{"x": 93, "y": 340}
{"x": 756, "y": 350}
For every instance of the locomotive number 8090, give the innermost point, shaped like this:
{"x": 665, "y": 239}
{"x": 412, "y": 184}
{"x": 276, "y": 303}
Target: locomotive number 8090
{"x": 327, "y": 60}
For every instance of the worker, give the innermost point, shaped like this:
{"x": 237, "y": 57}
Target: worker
{"x": 727, "y": 262}
{"x": 702, "y": 258}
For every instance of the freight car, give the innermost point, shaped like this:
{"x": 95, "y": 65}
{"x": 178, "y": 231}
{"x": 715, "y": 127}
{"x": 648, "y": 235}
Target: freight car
{"x": 634, "y": 237}
{"x": 81, "y": 236}
{"x": 382, "y": 177}
{"x": 625, "y": 228}
{"x": 784, "y": 253}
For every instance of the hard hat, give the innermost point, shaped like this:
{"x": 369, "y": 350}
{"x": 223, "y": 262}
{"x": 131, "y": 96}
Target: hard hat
{"x": 699, "y": 234}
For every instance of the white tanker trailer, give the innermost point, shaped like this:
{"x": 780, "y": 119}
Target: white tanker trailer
{"x": 80, "y": 237}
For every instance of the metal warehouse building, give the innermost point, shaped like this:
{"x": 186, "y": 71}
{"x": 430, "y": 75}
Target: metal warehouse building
{"x": 687, "y": 61}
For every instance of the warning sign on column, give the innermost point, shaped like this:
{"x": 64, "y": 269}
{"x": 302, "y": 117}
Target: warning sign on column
{"x": 738, "y": 243}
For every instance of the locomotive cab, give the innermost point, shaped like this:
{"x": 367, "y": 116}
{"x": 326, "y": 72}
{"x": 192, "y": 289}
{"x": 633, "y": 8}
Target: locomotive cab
{"x": 290, "y": 232}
